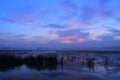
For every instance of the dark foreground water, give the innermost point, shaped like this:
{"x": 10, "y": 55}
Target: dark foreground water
{"x": 82, "y": 66}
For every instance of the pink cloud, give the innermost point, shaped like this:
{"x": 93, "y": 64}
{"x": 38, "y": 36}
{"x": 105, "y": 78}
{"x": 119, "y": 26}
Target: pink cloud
{"x": 117, "y": 38}
{"x": 79, "y": 24}
{"x": 80, "y": 40}
{"x": 72, "y": 39}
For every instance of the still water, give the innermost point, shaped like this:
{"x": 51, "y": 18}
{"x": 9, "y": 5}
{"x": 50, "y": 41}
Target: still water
{"x": 82, "y": 66}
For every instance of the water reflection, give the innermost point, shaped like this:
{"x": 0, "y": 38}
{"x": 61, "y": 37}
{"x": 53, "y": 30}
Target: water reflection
{"x": 106, "y": 64}
{"x": 89, "y": 63}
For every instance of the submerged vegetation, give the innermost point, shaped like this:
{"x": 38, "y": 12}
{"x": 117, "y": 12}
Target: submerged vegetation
{"x": 41, "y": 62}
{"x": 54, "y": 62}
{"x": 9, "y": 62}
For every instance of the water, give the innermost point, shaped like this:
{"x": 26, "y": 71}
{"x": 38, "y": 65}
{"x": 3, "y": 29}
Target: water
{"x": 83, "y": 66}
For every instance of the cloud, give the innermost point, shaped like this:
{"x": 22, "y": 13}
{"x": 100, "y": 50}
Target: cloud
{"x": 12, "y": 35}
{"x": 85, "y": 35}
{"x": 114, "y": 31}
{"x": 56, "y": 26}
{"x": 88, "y": 11}
{"x": 77, "y": 32}
{"x": 116, "y": 38}
{"x": 67, "y": 5}
{"x": 23, "y": 19}
{"x": 44, "y": 39}
{"x": 72, "y": 36}
{"x": 95, "y": 15}
{"x": 104, "y": 2}
{"x": 20, "y": 35}
{"x": 101, "y": 8}
{"x": 6, "y": 19}
{"x": 78, "y": 24}
{"x": 26, "y": 39}
{"x": 72, "y": 39}
{"x": 97, "y": 34}
{"x": 71, "y": 24}
{"x": 7, "y": 33}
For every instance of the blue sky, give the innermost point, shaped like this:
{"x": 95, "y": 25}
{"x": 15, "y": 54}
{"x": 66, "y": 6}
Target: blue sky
{"x": 59, "y": 24}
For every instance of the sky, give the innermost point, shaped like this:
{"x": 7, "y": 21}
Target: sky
{"x": 60, "y": 24}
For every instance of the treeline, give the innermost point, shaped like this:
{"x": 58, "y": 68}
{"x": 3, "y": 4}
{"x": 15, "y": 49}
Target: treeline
{"x": 10, "y": 62}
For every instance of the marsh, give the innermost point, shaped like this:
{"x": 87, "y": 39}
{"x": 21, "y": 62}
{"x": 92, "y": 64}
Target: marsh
{"x": 82, "y": 66}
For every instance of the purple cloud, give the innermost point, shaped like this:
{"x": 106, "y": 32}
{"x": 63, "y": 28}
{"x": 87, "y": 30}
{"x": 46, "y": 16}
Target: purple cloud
{"x": 23, "y": 19}
{"x": 69, "y": 6}
{"x": 20, "y": 35}
{"x": 77, "y": 32}
{"x": 6, "y": 19}
{"x": 56, "y": 26}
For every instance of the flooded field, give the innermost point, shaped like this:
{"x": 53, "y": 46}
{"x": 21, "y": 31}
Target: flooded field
{"x": 68, "y": 66}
